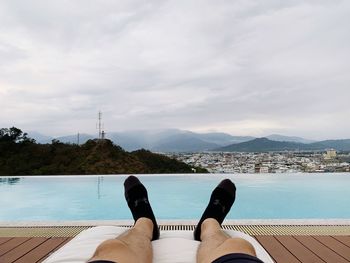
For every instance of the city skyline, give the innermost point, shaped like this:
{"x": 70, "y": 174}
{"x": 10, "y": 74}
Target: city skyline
{"x": 243, "y": 67}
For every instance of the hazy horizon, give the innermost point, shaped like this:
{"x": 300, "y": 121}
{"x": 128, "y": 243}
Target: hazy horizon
{"x": 160, "y": 130}
{"x": 247, "y": 68}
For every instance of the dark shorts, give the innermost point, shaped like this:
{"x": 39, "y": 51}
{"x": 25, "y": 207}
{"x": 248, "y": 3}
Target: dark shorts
{"x": 237, "y": 258}
{"x": 102, "y": 261}
{"x": 229, "y": 258}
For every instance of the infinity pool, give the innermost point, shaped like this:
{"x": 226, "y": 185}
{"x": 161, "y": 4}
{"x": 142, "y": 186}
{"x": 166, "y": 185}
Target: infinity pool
{"x": 269, "y": 196}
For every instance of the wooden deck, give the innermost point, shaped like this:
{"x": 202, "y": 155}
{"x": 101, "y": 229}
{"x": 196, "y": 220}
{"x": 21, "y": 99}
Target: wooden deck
{"x": 283, "y": 249}
{"x": 28, "y": 249}
{"x": 307, "y": 249}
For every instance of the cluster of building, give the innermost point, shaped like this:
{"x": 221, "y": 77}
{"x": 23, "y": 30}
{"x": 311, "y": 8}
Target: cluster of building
{"x": 274, "y": 162}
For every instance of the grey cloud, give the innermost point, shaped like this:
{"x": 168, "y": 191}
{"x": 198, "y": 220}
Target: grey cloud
{"x": 185, "y": 64}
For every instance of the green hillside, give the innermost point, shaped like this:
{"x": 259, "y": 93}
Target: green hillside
{"x": 266, "y": 145}
{"x": 20, "y": 155}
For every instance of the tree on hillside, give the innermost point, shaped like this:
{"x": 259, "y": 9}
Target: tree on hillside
{"x": 15, "y": 135}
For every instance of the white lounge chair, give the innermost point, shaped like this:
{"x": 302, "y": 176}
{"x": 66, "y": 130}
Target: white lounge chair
{"x": 173, "y": 246}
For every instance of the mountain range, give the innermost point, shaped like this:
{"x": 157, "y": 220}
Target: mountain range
{"x": 170, "y": 140}
{"x": 266, "y": 145}
{"x": 174, "y": 140}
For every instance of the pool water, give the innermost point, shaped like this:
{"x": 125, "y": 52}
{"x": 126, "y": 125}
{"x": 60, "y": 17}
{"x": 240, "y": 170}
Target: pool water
{"x": 268, "y": 196}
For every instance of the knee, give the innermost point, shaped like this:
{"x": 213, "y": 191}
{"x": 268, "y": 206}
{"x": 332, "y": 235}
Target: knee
{"x": 114, "y": 250}
{"x": 111, "y": 245}
{"x": 238, "y": 245}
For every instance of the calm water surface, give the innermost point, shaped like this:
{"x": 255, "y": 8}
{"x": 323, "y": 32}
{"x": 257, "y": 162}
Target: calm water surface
{"x": 268, "y": 196}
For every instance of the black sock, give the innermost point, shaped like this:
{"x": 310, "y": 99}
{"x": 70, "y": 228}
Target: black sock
{"x": 137, "y": 199}
{"x": 220, "y": 203}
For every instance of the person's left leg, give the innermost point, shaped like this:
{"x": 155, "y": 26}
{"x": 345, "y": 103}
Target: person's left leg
{"x": 135, "y": 244}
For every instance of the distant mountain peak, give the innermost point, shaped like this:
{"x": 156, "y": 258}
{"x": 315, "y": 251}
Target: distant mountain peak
{"x": 175, "y": 140}
{"x": 284, "y": 138}
{"x": 262, "y": 139}
{"x": 267, "y": 145}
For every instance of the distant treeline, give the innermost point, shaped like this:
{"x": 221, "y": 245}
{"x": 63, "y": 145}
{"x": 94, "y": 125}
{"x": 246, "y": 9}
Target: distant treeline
{"x": 21, "y": 155}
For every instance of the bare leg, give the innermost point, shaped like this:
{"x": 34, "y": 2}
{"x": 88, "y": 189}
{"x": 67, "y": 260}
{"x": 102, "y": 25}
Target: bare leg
{"x": 216, "y": 243}
{"x": 133, "y": 246}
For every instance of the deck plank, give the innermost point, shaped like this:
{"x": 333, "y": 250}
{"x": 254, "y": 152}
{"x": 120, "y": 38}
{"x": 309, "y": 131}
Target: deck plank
{"x": 43, "y": 250}
{"x": 4, "y": 239}
{"x": 344, "y": 239}
{"x": 22, "y": 249}
{"x": 11, "y": 244}
{"x": 320, "y": 249}
{"x": 276, "y": 250}
{"x": 335, "y": 245}
{"x": 299, "y": 250}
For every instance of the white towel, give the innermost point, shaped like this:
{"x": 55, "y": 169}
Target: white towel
{"x": 173, "y": 246}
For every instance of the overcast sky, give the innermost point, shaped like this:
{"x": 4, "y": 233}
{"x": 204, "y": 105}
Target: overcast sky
{"x": 243, "y": 67}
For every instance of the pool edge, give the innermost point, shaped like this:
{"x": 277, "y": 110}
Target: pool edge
{"x": 177, "y": 222}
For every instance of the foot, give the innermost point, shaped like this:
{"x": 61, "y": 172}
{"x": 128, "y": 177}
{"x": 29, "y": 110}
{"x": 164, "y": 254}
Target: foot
{"x": 137, "y": 198}
{"x": 220, "y": 203}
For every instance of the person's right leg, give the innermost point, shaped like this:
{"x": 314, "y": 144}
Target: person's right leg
{"x": 215, "y": 245}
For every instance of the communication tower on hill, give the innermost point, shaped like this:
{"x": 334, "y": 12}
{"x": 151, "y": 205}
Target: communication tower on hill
{"x": 100, "y": 127}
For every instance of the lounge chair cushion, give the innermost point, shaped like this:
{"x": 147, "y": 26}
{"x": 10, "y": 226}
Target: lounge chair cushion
{"x": 173, "y": 246}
